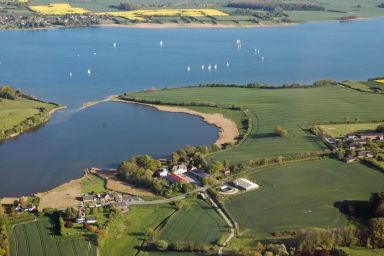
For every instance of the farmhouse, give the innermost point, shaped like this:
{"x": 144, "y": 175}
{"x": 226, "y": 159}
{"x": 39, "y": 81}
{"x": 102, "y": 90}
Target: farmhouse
{"x": 199, "y": 174}
{"x": 179, "y": 168}
{"x": 90, "y": 220}
{"x": 365, "y": 154}
{"x": 87, "y": 198}
{"x": 350, "y": 159}
{"x": 174, "y": 178}
{"x": 122, "y": 206}
{"x": 245, "y": 184}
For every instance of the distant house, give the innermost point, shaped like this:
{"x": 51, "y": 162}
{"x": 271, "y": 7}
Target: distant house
{"x": 199, "y": 174}
{"x": 179, "y": 168}
{"x": 118, "y": 197}
{"x": 365, "y": 154}
{"x": 226, "y": 172}
{"x": 350, "y": 159}
{"x": 162, "y": 173}
{"x": 245, "y": 184}
{"x": 122, "y": 206}
{"x": 87, "y": 198}
{"x": 175, "y": 178}
{"x": 371, "y": 136}
{"x": 90, "y": 220}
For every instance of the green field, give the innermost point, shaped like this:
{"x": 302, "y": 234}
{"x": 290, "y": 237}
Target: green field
{"x": 302, "y": 195}
{"x": 40, "y": 238}
{"x": 293, "y": 109}
{"x": 365, "y": 86}
{"x": 340, "y": 130}
{"x": 13, "y": 112}
{"x": 93, "y": 183}
{"x": 197, "y": 222}
{"x": 127, "y": 232}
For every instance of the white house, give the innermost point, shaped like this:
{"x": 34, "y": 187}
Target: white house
{"x": 179, "y": 168}
{"x": 245, "y": 184}
{"x": 162, "y": 173}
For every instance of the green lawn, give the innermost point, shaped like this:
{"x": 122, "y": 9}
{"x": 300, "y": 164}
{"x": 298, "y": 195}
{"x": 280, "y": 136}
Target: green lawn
{"x": 197, "y": 221}
{"x": 40, "y": 238}
{"x": 127, "y": 232}
{"x": 293, "y": 109}
{"x": 13, "y": 112}
{"x": 340, "y": 130}
{"x": 302, "y": 195}
{"x": 93, "y": 183}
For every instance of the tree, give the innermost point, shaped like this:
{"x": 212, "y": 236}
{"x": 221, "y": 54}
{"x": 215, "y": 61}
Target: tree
{"x": 2, "y": 211}
{"x": 216, "y": 167}
{"x": 376, "y": 228}
{"x": 374, "y": 148}
{"x": 281, "y": 132}
{"x": 179, "y": 204}
{"x": 68, "y": 224}
{"x": 70, "y": 213}
{"x": 161, "y": 245}
{"x": 150, "y": 234}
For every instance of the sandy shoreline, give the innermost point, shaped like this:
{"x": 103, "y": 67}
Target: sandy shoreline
{"x": 188, "y": 25}
{"x": 228, "y": 129}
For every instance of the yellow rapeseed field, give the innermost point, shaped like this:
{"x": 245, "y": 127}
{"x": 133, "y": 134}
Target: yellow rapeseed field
{"x": 380, "y": 81}
{"x": 141, "y": 14}
{"x": 57, "y": 9}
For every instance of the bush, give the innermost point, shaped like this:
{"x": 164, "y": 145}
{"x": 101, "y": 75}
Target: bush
{"x": 161, "y": 245}
{"x": 281, "y": 132}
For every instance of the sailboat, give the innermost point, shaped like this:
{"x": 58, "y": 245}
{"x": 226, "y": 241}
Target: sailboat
{"x": 89, "y": 72}
{"x": 70, "y": 74}
{"x": 209, "y": 67}
{"x": 202, "y": 67}
{"x": 188, "y": 68}
{"x": 114, "y": 45}
{"x": 215, "y": 67}
{"x": 227, "y": 64}
{"x": 161, "y": 43}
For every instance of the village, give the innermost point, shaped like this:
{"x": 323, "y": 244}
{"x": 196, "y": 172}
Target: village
{"x": 361, "y": 146}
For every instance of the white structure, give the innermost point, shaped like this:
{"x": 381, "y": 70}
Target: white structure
{"x": 163, "y": 173}
{"x": 245, "y": 184}
{"x": 179, "y": 168}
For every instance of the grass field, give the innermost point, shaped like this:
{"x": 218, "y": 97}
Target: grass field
{"x": 197, "y": 221}
{"x": 127, "y": 232}
{"x": 302, "y": 195}
{"x": 40, "y": 238}
{"x": 340, "y": 130}
{"x": 93, "y": 183}
{"x": 293, "y": 109}
{"x": 13, "y": 112}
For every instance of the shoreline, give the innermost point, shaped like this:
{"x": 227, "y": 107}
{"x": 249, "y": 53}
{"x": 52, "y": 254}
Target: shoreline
{"x": 50, "y": 113}
{"x": 228, "y": 130}
{"x": 190, "y": 25}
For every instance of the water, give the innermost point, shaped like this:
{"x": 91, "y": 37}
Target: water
{"x": 40, "y": 62}
{"x": 103, "y": 136}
